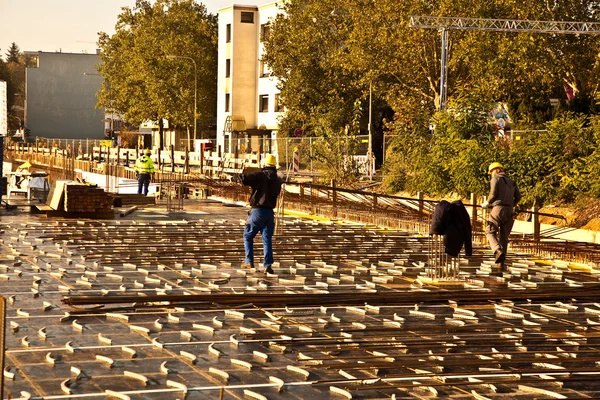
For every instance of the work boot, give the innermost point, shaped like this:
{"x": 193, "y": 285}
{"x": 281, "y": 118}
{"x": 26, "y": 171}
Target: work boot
{"x": 246, "y": 265}
{"x": 498, "y": 255}
{"x": 269, "y": 270}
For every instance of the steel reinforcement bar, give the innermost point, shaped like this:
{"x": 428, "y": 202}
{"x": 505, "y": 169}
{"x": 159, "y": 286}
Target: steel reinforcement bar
{"x": 468, "y": 296}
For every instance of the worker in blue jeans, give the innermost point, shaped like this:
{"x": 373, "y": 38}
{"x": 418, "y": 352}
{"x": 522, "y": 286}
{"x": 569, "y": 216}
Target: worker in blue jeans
{"x": 266, "y": 186}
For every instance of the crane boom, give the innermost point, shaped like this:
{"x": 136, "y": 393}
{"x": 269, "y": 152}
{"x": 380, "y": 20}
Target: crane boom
{"x": 505, "y": 25}
{"x": 444, "y": 24}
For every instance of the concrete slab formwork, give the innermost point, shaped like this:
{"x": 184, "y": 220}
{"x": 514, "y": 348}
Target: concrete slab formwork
{"x": 498, "y": 344}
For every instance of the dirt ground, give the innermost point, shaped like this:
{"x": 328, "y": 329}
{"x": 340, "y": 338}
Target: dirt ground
{"x": 584, "y": 217}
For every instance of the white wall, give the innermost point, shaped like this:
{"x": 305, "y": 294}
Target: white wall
{"x": 117, "y": 185}
{"x": 267, "y": 85}
{"x": 245, "y": 85}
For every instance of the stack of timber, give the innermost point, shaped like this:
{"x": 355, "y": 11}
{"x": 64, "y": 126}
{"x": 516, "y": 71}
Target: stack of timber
{"x": 73, "y": 199}
{"x": 86, "y": 199}
{"x": 122, "y": 200}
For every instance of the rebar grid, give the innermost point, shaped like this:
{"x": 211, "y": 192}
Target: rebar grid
{"x": 356, "y": 323}
{"x": 441, "y": 265}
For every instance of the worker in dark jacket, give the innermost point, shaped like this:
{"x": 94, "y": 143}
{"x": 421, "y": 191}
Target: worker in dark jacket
{"x": 504, "y": 196}
{"x": 144, "y": 168}
{"x": 266, "y": 186}
{"x": 452, "y": 220}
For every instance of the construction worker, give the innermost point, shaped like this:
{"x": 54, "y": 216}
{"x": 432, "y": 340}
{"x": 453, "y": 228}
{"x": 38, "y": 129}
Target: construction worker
{"x": 504, "y": 196}
{"x": 266, "y": 186}
{"x": 144, "y": 168}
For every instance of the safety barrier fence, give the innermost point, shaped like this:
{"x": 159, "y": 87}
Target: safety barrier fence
{"x": 369, "y": 208}
{"x": 296, "y": 155}
{"x": 294, "y": 158}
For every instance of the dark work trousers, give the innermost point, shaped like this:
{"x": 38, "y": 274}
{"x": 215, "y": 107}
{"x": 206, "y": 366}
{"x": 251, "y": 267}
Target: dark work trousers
{"x": 143, "y": 182}
{"x": 499, "y": 224}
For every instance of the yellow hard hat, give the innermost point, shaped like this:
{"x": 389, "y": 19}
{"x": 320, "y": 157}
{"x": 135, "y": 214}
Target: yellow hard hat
{"x": 25, "y": 165}
{"x": 493, "y": 166}
{"x": 270, "y": 160}
{"x": 148, "y": 152}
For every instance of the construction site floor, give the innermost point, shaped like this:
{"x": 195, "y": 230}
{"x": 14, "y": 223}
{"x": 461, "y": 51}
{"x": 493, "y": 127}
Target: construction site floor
{"x": 352, "y": 312}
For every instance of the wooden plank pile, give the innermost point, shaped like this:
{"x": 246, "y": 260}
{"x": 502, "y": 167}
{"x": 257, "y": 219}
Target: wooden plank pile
{"x": 73, "y": 199}
{"x": 126, "y": 199}
{"x": 84, "y": 198}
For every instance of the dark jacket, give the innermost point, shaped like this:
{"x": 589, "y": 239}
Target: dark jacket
{"x": 265, "y": 185}
{"x": 452, "y": 220}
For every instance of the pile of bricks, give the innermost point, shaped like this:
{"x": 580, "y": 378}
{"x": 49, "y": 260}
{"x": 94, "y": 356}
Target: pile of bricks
{"x": 83, "y": 198}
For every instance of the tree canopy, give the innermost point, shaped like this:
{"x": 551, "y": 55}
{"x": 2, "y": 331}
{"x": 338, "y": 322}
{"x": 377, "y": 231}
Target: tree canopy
{"x": 327, "y": 54}
{"x": 13, "y": 54}
{"x": 141, "y": 82}
{"x": 13, "y": 72}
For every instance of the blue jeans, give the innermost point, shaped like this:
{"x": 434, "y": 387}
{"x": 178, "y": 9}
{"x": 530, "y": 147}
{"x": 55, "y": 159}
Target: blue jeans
{"x": 259, "y": 220}
{"x": 143, "y": 182}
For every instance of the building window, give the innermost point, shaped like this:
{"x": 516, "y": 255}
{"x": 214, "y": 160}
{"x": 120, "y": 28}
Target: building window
{"x": 247, "y": 17}
{"x": 278, "y": 104}
{"x": 264, "y": 69}
{"x": 228, "y": 33}
{"x": 265, "y": 30}
{"x": 263, "y": 103}
{"x": 227, "y": 101}
{"x": 227, "y": 68}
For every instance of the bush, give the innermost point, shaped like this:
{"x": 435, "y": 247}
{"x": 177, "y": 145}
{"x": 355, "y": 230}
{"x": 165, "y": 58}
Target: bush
{"x": 556, "y": 165}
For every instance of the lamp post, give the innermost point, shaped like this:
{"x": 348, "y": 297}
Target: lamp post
{"x": 195, "y": 88}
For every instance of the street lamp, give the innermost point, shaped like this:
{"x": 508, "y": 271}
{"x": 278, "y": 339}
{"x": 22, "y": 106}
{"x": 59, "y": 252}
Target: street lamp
{"x": 195, "y": 87}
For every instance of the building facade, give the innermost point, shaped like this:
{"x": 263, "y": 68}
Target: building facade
{"x": 61, "y": 97}
{"x": 247, "y": 94}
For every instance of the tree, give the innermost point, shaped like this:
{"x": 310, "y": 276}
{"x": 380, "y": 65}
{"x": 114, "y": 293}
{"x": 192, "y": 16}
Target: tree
{"x": 13, "y": 55}
{"x": 141, "y": 83}
{"x": 13, "y": 72}
{"x": 302, "y": 51}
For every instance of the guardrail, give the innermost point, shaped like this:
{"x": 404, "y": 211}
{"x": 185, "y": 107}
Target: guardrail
{"x": 122, "y": 160}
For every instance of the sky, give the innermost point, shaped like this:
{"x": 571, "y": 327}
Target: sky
{"x": 70, "y": 26}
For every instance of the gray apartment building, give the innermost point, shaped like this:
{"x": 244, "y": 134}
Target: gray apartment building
{"x": 61, "y": 96}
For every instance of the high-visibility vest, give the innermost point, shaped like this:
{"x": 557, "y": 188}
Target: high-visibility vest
{"x": 144, "y": 165}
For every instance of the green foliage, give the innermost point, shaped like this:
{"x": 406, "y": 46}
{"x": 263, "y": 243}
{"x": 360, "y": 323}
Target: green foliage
{"x": 13, "y": 55}
{"x": 326, "y": 55}
{"x": 333, "y": 149}
{"x": 141, "y": 83}
{"x": 13, "y": 72}
{"x": 305, "y": 50}
{"x": 558, "y": 164}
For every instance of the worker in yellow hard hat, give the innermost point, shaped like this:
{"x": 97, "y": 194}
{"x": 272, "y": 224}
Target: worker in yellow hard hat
{"x": 266, "y": 186}
{"x": 504, "y": 196}
{"x": 144, "y": 168}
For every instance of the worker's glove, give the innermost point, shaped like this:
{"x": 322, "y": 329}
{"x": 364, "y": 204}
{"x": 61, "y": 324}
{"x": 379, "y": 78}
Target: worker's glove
{"x": 485, "y": 204}
{"x": 137, "y": 174}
